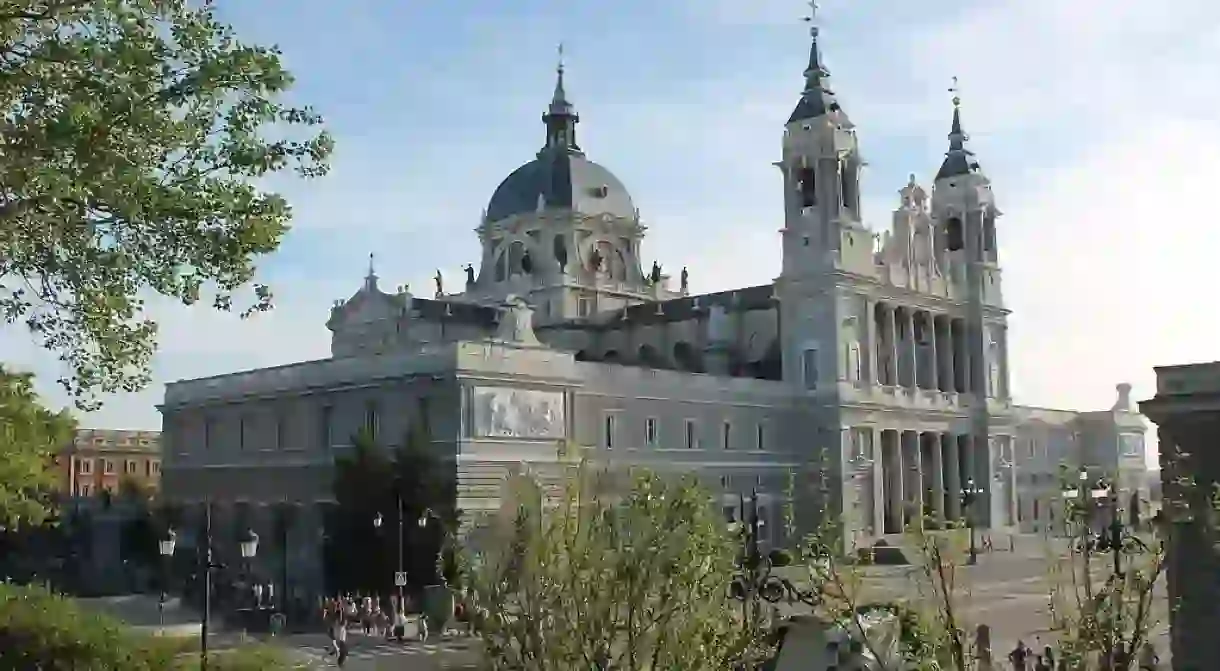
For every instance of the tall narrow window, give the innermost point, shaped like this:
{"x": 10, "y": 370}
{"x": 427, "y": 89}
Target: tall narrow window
{"x": 281, "y": 430}
{"x": 326, "y": 426}
{"x": 209, "y": 429}
{"x": 608, "y": 432}
{"x": 760, "y": 437}
{"x": 849, "y": 186}
{"x": 650, "y": 431}
{"x": 726, "y": 435}
{"x": 691, "y": 442}
{"x": 809, "y": 368}
{"x": 242, "y": 421}
{"x": 807, "y": 184}
{"x": 371, "y": 419}
{"x": 955, "y": 235}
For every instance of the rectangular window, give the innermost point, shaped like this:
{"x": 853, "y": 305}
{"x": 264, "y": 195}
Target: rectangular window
{"x": 583, "y": 306}
{"x": 691, "y": 441}
{"x": 809, "y": 368}
{"x": 107, "y": 467}
{"x": 326, "y": 427}
{"x": 760, "y": 437}
{"x": 1131, "y": 445}
{"x": 726, "y": 436}
{"x": 608, "y": 432}
{"x": 85, "y": 490}
{"x": 371, "y": 419}
{"x": 807, "y": 184}
{"x": 130, "y": 467}
{"x": 85, "y": 466}
{"x": 650, "y": 431}
{"x": 241, "y": 432}
{"x": 209, "y": 429}
{"x": 152, "y": 468}
{"x": 281, "y": 430}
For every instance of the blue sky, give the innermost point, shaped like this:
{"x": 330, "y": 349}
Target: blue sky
{"x": 1097, "y": 122}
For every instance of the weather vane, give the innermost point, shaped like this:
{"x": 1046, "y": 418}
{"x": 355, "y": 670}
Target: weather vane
{"x": 372, "y": 258}
{"x": 811, "y": 18}
{"x": 957, "y": 99}
{"x": 559, "y": 50}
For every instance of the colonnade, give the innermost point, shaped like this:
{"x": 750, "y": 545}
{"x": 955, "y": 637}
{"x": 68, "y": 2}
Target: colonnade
{"x": 925, "y": 474}
{"x": 920, "y": 349}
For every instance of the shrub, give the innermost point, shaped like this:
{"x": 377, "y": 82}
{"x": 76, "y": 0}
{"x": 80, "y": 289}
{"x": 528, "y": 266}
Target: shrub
{"x": 46, "y": 632}
{"x": 39, "y": 630}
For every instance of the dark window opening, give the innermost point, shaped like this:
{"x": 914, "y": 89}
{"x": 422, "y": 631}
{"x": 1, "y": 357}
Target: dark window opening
{"x": 807, "y": 180}
{"x": 955, "y": 235}
{"x": 989, "y": 233}
{"x": 849, "y": 186}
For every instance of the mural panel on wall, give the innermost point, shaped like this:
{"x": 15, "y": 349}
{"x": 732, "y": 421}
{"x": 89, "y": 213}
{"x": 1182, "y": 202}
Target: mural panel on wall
{"x": 504, "y": 412}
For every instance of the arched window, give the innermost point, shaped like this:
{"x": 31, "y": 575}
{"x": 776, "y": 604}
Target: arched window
{"x": 501, "y": 266}
{"x": 650, "y": 357}
{"x": 955, "y": 235}
{"x": 849, "y": 185}
{"x": 516, "y": 252}
{"x": 807, "y": 185}
{"x": 687, "y": 358}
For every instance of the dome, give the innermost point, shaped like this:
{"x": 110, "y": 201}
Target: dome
{"x": 562, "y": 179}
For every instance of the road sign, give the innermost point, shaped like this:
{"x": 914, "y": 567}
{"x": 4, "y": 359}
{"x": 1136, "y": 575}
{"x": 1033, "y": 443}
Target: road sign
{"x": 400, "y": 579}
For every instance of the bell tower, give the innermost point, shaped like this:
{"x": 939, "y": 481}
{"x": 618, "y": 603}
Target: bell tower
{"x": 821, "y": 167}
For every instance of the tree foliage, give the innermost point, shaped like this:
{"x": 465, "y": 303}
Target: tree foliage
{"x": 608, "y": 580}
{"x": 29, "y": 436}
{"x": 371, "y": 482}
{"x": 135, "y": 138}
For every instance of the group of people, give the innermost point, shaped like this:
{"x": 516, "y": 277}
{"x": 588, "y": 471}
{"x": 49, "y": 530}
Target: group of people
{"x": 372, "y": 615}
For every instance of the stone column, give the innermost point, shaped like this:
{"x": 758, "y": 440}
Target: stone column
{"x": 892, "y": 449}
{"x": 913, "y": 357}
{"x": 875, "y": 453}
{"x": 937, "y": 469}
{"x": 1003, "y": 392}
{"x": 933, "y": 353}
{"x": 870, "y": 308}
{"x": 953, "y": 476}
{"x": 892, "y": 326}
{"x": 913, "y": 474}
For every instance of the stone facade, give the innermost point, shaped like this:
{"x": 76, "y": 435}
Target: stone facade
{"x": 873, "y": 372}
{"x": 1186, "y": 410}
{"x": 99, "y": 460}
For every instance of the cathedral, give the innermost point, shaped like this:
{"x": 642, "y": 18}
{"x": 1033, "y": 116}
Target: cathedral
{"x": 869, "y": 380}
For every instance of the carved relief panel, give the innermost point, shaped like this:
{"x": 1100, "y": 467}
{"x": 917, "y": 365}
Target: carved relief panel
{"x": 504, "y": 412}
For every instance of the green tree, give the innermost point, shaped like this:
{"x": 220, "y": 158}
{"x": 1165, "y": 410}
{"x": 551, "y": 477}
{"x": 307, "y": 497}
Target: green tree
{"x": 29, "y": 436}
{"x": 369, "y": 483}
{"x": 609, "y": 577}
{"x": 136, "y": 138}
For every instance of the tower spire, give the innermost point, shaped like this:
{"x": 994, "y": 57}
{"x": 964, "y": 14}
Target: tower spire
{"x": 817, "y": 98}
{"x": 370, "y": 280}
{"x": 958, "y": 160}
{"x": 561, "y": 117}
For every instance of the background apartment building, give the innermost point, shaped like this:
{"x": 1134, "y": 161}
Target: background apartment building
{"x": 101, "y": 459}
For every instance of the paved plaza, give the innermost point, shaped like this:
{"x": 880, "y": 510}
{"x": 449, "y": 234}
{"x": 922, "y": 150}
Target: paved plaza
{"x": 1008, "y": 590}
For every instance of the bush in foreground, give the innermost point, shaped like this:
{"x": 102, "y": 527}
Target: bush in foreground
{"x": 46, "y": 632}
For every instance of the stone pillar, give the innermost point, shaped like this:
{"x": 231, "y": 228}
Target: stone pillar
{"x": 892, "y": 449}
{"x": 913, "y": 356}
{"x": 913, "y": 474}
{"x": 933, "y": 356}
{"x": 1003, "y": 391}
{"x": 953, "y": 476}
{"x": 871, "y": 345}
{"x": 875, "y": 453}
{"x": 936, "y": 468}
{"x": 892, "y": 343}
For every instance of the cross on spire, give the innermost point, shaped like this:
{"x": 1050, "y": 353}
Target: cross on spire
{"x": 957, "y": 98}
{"x": 559, "y": 51}
{"x": 812, "y": 17}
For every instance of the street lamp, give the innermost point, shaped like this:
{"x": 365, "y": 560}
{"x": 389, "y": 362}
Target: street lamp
{"x": 249, "y": 547}
{"x": 399, "y": 577}
{"x": 754, "y": 581}
{"x": 166, "y": 546}
{"x": 970, "y": 493}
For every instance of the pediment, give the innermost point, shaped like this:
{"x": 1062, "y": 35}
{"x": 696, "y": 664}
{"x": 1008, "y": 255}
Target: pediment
{"x": 367, "y": 307}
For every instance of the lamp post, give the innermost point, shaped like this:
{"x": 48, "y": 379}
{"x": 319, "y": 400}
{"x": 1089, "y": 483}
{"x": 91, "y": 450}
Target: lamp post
{"x": 970, "y": 493}
{"x": 249, "y": 548}
{"x": 166, "y": 546}
{"x": 208, "y": 565}
{"x": 377, "y": 522}
{"x": 754, "y": 581}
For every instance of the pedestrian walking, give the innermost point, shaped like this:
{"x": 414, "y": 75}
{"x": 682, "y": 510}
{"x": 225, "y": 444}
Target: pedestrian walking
{"x": 341, "y": 641}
